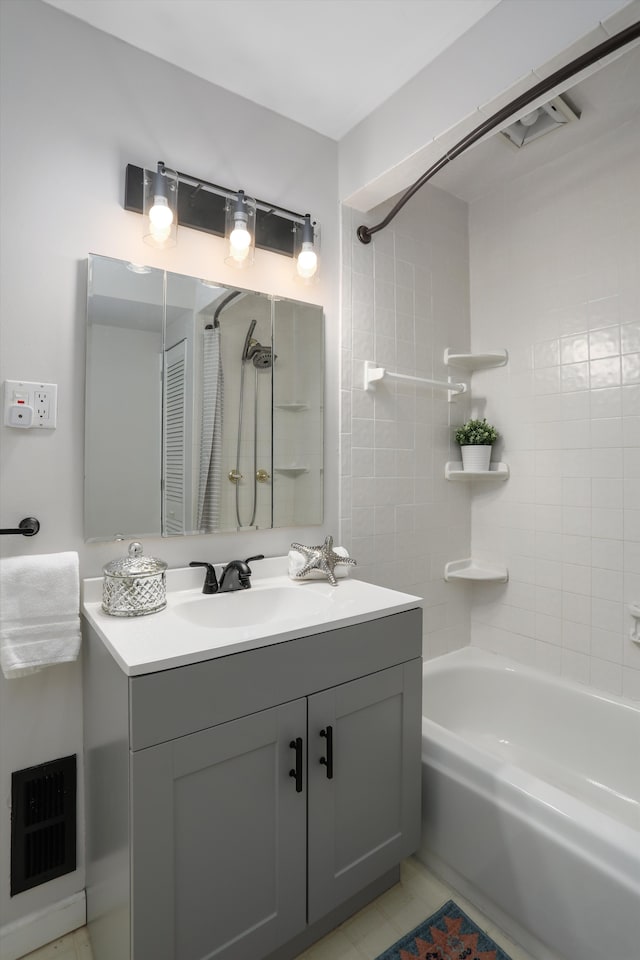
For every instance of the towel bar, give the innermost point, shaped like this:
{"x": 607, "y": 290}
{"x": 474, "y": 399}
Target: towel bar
{"x": 27, "y": 527}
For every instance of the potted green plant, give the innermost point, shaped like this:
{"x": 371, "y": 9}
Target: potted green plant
{"x": 476, "y": 437}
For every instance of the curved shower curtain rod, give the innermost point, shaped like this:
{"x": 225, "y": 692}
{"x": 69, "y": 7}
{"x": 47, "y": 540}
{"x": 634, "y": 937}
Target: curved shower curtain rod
{"x": 564, "y": 73}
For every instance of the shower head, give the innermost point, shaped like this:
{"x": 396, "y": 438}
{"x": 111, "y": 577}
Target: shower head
{"x": 254, "y": 351}
{"x": 262, "y": 357}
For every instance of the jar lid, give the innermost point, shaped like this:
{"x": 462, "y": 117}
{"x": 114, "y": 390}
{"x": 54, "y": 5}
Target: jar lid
{"x": 135, "y": 565}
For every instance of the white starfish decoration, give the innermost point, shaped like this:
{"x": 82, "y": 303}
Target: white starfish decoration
{"x": 322, "y": 557}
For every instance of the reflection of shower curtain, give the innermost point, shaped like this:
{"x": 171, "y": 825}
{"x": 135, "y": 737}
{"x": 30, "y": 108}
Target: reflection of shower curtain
{"x": 210, "y": 485}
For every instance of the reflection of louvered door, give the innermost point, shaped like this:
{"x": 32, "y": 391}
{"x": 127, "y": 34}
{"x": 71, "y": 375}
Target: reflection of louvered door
{"x": 175, "y": 408}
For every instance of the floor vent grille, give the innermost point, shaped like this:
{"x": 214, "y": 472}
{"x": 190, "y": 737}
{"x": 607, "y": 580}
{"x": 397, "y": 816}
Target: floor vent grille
{"x": 43, "y": 823}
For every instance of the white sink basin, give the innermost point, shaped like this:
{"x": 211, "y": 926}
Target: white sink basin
{"x": 244, "y": 608}
{"x": 196, "y": 626}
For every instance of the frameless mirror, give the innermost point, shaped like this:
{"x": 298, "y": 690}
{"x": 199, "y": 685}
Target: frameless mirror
{"x": 203, "y": 406}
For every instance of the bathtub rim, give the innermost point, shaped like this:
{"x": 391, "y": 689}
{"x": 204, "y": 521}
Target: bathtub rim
{"x": 482, "y": 658}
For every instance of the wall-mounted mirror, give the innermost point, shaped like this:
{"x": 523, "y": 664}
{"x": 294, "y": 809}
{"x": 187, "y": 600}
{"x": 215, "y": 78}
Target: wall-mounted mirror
{"x": 203, "y": 406}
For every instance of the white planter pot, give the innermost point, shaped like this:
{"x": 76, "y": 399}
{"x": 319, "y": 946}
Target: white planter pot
{"x": 475, "y": 456}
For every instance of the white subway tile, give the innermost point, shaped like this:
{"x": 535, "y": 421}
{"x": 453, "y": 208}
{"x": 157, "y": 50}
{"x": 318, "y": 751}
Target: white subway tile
{"x": 576, "y": 549}
{"x": 607, "y": 462}
{"x": 576, "y": 521}
{"x": 548, "y": 629}
{"x": 604, "y": 343}
{"x": 632, "y": 525}
{"x": 576, "y": 578}
{"x": 606, "y": 403}
{"x": 573, "y": 377}
{"x": 575, "y": 666}
{"x": 606, "y": 676}
{"x": 631, "y": 683}
{"x": 574, "y": 349}
{"x": 607, "y": 614}
{"x": 575, "y": 406}
{"x": 576, "y": 636}
{"x": 607, "y": 645}
{"x": 631, "y": 400}
{"x": 607, "y": 584}
{"x": 575, "y": 463}
{"x": 631, "y": 368}
{"x": 630, "y": 337}
{"x": 548, "y": 657}
{"x": 605, "y": 373}
{"x": 548, "y": 573}
{"x": 607, "y": 433}
{"x": 576, "y": 607}
{"x": 631, "y": 463}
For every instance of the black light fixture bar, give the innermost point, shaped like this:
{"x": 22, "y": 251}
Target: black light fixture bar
{"x": 201, "y": 206}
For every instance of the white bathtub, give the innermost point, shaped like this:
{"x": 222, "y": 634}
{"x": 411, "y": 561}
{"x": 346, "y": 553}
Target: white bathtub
{"x": 531, "y": 803}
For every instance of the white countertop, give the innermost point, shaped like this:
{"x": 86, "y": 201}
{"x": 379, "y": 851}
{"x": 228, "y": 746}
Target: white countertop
{"x": 168, "y": 639}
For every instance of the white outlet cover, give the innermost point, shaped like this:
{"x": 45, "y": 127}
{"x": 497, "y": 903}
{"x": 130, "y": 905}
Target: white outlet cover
{"x": 42, "y": 397}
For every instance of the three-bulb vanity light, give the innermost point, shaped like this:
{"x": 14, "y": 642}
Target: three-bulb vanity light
{"x": 167, "y": 198}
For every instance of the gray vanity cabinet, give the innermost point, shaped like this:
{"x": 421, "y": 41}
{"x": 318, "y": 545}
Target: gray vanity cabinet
{"x": 209, "y": 845}
{"x": 219, "y": 835}
{"x": 362, "y": 803}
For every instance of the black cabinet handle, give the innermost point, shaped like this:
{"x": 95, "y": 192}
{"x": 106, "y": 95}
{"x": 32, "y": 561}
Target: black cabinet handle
{"x": 296, "y": 773}
{"x": 328, "y": 760}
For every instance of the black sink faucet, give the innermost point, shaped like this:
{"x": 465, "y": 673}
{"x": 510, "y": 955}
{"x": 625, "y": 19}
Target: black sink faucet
{"x": 210, "y": 584}
{"x": 237, "y": 574}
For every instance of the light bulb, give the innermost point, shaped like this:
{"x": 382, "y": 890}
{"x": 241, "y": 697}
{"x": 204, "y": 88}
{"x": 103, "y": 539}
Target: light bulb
{"x": 307, "y": 260}
{"x": 239, "y": 240}
{"x": 530, "y": 118}
{"x": 160, "y": 214}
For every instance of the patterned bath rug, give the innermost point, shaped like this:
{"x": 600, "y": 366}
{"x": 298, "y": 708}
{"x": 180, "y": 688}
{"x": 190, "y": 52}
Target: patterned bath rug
{"x": 449, "y": 934}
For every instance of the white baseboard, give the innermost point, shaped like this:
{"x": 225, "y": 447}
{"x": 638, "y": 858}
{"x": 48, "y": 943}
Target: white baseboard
{"x": 27, "y": 934}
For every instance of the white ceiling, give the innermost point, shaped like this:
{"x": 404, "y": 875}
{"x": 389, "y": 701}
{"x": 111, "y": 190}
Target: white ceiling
{"x": 324, "y": 63}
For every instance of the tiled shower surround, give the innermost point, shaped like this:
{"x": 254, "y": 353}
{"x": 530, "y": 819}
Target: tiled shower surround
{"x": 547, "y": 267}
{"x": 555, "y": 278}
{"x": 405, "y": 299}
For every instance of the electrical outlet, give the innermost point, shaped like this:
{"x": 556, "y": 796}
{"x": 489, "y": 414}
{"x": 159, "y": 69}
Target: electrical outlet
{"x": 41, "y": 404}
{"x": 41, "y": 398}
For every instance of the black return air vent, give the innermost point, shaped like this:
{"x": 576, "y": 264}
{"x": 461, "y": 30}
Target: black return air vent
{"x": 43, "y": 823}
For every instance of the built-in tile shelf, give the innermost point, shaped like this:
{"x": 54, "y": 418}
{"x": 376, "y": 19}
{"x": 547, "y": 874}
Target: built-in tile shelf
{"x": 292, "y": 471}
{"x": 497, "y": 471}
{"x": 475, "y": 570}
{"x": 469, "y": 569}
{"x": 292, "y": 407}
{"x": 475, "y": 361}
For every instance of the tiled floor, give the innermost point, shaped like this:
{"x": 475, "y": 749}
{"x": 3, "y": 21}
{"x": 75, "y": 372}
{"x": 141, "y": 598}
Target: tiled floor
{"x": 364, "y": 936}
{"x": 74, "y": 946}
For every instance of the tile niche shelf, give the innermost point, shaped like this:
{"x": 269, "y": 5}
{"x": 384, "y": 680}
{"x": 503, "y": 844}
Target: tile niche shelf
{"x": 476, "y": 571}
{"x": 497, "y": 471}
{"x": 475, "y": 361}
{"x": 470, "y": 569}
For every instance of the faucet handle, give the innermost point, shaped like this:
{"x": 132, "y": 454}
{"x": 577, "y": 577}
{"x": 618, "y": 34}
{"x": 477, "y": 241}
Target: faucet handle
{"x": 258, "y": 556}
{"x": 210, "y": 580}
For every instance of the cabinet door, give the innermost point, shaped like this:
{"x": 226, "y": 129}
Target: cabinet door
{"x": 364, "y": 813}
{"x": 219, "y": 840}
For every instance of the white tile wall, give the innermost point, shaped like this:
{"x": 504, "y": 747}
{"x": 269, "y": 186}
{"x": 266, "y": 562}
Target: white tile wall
{"x": 555, "y": 279}
{"x": 405, "y": 299}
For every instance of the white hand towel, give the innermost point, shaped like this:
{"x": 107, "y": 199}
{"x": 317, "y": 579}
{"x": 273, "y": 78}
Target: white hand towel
{"x": 297, "y": 561}
{"x": 40, "y": 612}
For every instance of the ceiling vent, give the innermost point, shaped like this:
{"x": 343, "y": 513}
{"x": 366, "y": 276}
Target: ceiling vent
{"x": 550, "y": 116}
